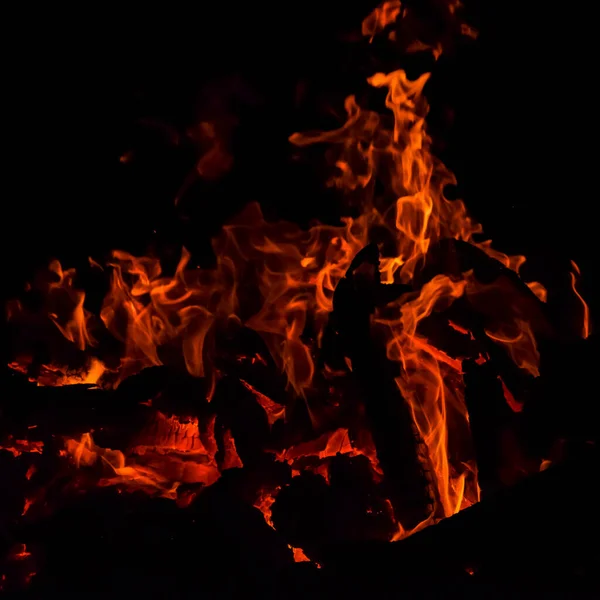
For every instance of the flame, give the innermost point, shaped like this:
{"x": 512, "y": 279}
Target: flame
{"x": 520, "y": 343}
{"x": 26, "y": 506}
{"x": 273, "y": 410}
{"x": 168, "y": 453}
{"x": 73, "y": 326}
{"x": 56, "y": 376}
{"x": 539, "y": 290}
{"x": 17, "y": 447}
{"x": 327, "y": 445}
{"x": 585, "y": 329}
{"x": 216, "y": 161}
{"x": 231, "y": 459}
{"x": 421, "y": 216}
{"x": 430, "y": 385}
{"x": 20, "y": 552}
{"x": 155, "y": 310}
{"x": 510, "y": 399}
{"x": 299, "y": 555}
{"x": 404, "y": 25}
{"x": 380, "y": 18}
{"x": 265, "y": 501}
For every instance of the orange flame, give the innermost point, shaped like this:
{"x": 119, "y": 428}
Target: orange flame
{"x": 328, "y": 445}
{"x": 299, "y": 555}
{"x": 273, "y": 410}
{"x": 585, "y": 329}
{"x": 380, "y": 18}
{"x": 74, "y": 327}
{"x": 265, "y": 501}
{"x": 17, "y": 447}
{"x": 169, "y": 452}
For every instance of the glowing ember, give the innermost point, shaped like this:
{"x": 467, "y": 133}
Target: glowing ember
{"x": 299, "y": 555}
{"x": 264, "y": 503}
{"x": 510, "y": 399}
{"x": 326, "y": 446}
{"x": 17, "y": 447}
{"x": 273, "y": 410}
{"x": 166, "y": 454}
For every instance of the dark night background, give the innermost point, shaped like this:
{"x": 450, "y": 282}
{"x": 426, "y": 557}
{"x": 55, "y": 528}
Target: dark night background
{"x": 84, "y": 88}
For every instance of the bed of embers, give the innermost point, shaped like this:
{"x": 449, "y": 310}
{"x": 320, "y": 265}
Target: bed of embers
{"x": 371, "y": 408}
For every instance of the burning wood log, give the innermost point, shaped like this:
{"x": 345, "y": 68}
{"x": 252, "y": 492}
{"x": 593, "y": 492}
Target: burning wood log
{"x": 391, "y": 424}
{"x": 453, "y": 257}
{"x": 495, "y": 430}
{"x": 477, "y": 546}
{"x": 312, "y": 512}
{"x": 65, "y": 410}
{"x": 130, "y": 542}
{"x": 120, "y": 439}
{"x": 506, "y": 320}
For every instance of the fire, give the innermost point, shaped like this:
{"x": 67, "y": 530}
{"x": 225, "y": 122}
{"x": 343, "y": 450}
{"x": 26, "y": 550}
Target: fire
{"x": 17, "y": 447}
{"x": 74, "y": 324}
{"x": 279, "y": 280}
{"x": 313, "y": 454}
{"x": 585, "y": 328}
{"x": 273, "y": 410}
{"x": 380, "y": 18}
{"x": 299, "y": 555}
{"x": 167, "y": 453}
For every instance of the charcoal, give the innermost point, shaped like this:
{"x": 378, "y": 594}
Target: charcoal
{"x": 565, "y": 406}
{"x": 242, "y": 353}
{"x": 239, "y": 412}
{"x": 13, "y": 471}
{"x": 40, "y": 413}
{"x": 313, "y": 514}
{"x": 521, "y": 542}
{"x": 130, "y": 543}
{"x": 172, "y": 391}
{"x": 437, "y": 329}
{"x": 305, "y": 514}
{"x": 361, "y": 507}
{"x": 494, "y": 429}
{"x": 521, "y": 383}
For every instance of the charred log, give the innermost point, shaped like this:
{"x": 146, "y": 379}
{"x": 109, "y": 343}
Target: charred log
{"x": 311, "y": 513}
{"x": 453, "y": 257}
{"x": 495, "y": 430}
{"x": 128, "y": 544}
{"x": 394, "y": 435}
{"x": 475, "y": 550}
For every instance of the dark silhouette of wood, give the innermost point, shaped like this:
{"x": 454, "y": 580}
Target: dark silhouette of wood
{"x": 394, "y": 435}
